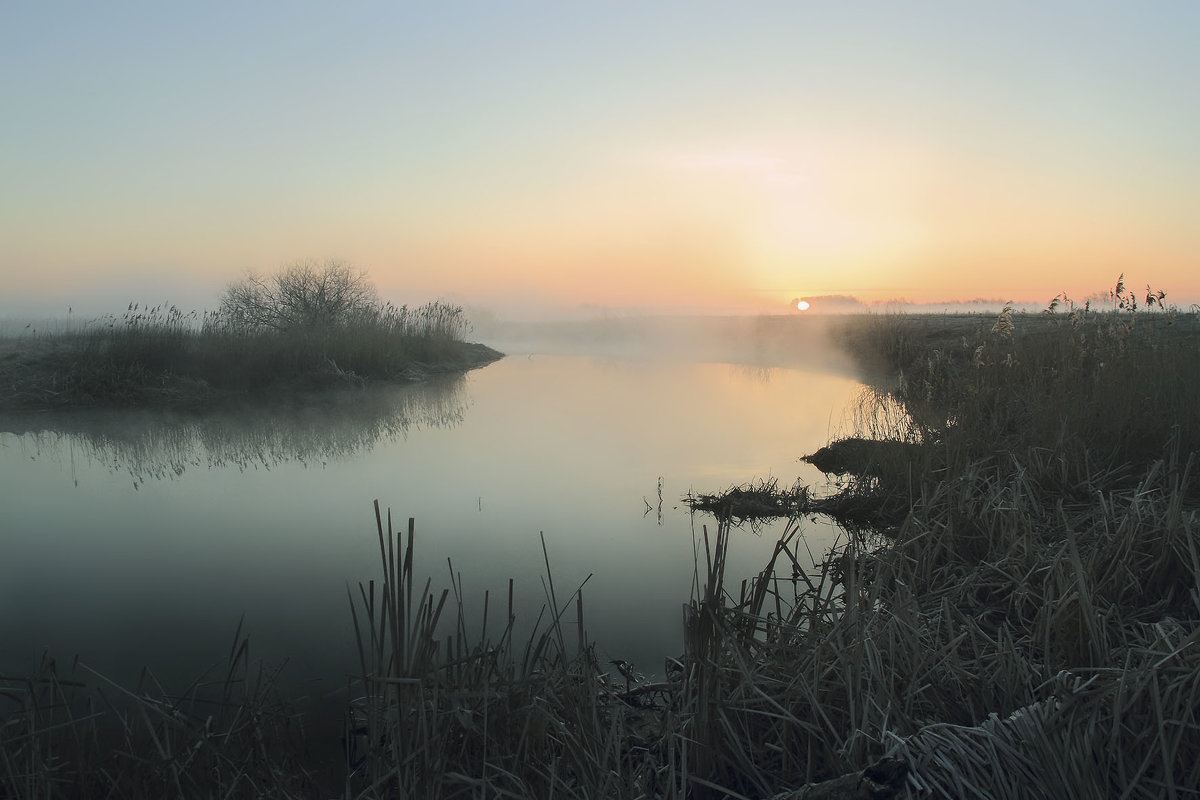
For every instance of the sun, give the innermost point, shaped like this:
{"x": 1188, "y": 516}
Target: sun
{"x": 802, "y": 305}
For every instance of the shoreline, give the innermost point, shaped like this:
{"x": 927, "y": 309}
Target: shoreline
{"x": 32, "y": 381}
{"x": 1036, "y": 589}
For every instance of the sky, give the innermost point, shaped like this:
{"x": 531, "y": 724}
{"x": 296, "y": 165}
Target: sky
{"x": 532, "y": 156}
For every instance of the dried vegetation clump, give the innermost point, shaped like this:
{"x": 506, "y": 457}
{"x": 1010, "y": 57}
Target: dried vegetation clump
{"x": 312, "y": 326}
{"x": 79, "y": 735}
{"x": 763, "y": 499}
{"x": 1031, "y": 625}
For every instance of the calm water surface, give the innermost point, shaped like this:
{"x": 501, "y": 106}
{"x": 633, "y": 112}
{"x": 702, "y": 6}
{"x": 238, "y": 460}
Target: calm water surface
{"x": 141, "y": 539}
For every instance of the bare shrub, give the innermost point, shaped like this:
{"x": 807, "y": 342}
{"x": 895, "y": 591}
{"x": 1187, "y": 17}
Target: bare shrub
{"x": 307, "y": 294}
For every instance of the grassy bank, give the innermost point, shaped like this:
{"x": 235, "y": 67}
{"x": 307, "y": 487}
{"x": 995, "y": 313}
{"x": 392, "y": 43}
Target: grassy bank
{"x": 162, "y": 356}
{"x": 1028, "y": 627}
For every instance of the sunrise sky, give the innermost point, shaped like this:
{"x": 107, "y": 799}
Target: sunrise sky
{"x": 712, "y": 156}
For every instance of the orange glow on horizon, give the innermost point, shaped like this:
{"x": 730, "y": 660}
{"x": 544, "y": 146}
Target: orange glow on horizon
{"x": 714, "y": 162}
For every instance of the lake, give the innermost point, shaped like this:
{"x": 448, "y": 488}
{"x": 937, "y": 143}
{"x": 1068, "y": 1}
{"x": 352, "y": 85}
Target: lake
{"x": 141, "y": 539}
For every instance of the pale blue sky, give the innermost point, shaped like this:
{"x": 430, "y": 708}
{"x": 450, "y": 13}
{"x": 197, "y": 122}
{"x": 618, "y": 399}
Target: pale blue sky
{"x": 653, "y": 154}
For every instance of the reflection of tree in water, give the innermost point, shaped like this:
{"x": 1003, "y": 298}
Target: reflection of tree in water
{"x": 313, "y": 430}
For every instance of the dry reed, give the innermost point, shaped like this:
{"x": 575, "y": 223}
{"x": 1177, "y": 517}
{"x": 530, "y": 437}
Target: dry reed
{"x": 1031, "y": 628}
{"x": 163, "y": 356}
{"x": 84, "y": 736}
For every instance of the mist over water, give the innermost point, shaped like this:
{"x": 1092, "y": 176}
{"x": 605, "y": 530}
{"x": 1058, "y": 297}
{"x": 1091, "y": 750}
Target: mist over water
{"x": 793, "y": 341}
{"x": 140, "y": 539}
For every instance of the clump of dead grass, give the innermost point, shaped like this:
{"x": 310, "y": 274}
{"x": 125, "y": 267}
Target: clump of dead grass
{"x": 761, "y": 499}
{"x": 80, "y": 735}
{"x": 160, "y": 355}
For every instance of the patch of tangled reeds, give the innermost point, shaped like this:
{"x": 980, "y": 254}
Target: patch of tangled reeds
{"x": 1031, "y": 628}
{"x": 1009, "y": 656}
{"x": 160, "y": 356}
{"x": 763, "y": 499}
{"x": 84, "y": 736}
{"x": 467, "y": 715}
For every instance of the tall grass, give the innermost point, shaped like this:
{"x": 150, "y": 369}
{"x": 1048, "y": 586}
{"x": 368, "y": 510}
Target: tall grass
{"x": 78, "y": 735}
{"x": 1030, "y": 628}
{"x": 1047, "y": 560}
{"x": 384, "y": 342}
{"x": 469, "y": 715}
{"x": 1101, "y": 394}
{"x": 161, "y": 354}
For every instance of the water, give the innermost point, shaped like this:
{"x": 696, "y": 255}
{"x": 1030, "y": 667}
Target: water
{"x": 140, "y": 539}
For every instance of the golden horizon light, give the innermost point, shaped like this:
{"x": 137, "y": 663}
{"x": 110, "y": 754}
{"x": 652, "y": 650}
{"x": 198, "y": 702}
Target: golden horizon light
{"x": 723, "y": 162}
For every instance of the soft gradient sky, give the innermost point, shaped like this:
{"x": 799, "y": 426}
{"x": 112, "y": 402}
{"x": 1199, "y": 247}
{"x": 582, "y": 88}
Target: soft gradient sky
{"x": 713, "y": 155}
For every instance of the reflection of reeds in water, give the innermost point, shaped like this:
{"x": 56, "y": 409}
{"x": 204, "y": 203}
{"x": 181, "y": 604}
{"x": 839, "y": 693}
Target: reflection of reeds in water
{"x": 324, "y": 427}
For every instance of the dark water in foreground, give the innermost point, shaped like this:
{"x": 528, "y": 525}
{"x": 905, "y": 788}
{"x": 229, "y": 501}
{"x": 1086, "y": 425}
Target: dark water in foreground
{"x": 141, "y": 539}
